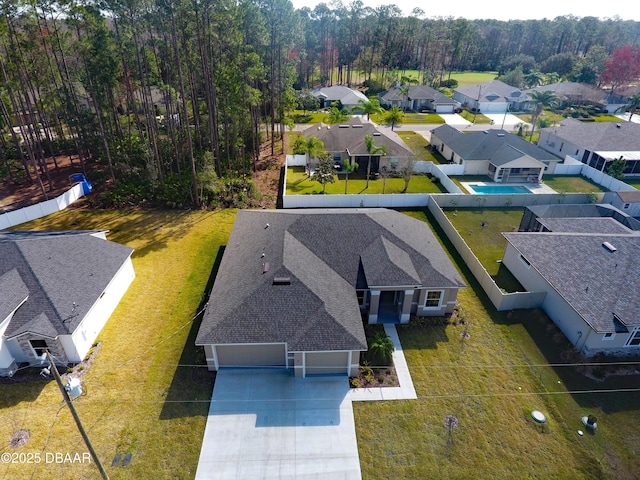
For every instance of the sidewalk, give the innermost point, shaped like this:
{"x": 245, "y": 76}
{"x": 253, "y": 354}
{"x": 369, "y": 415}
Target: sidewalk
{"x": 405, "y": 391}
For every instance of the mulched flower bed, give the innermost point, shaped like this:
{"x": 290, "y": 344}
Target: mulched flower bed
{"x": 375, "y": 377}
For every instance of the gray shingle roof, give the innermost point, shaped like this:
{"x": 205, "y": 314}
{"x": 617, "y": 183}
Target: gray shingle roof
{"x": 584, "y": 225}
{"x": 418, "y": 92}
{"x": 578, "y": 92}
{"x": 488, "y": 144}
{"x": 596, "y": 282}
{"x": 64, "y": 273}
{"x": 350, "y": 137}
{"x": 345, "y": 95}
{"x": 493, "y": 91}
{"x": 320, "y": 253}
{"x": 600, "y": 136}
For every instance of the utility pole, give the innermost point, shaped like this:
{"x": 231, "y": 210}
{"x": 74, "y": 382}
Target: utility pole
{"x": 67, "y": 399}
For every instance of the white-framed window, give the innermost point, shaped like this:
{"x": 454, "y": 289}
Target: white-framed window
{"x": 608, "y": 336}
{"x": 433, "y": 298}
{"x": 525, "y": 261}
{"x": 634, "y": 338}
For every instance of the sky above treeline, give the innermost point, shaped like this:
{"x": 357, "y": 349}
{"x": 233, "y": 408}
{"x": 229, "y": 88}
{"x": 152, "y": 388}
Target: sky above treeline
{"x": 505, "y": 9}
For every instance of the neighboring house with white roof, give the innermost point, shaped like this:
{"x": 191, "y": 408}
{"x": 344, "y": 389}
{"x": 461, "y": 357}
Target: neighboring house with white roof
{"x": 348, "y": 97}
{"x": 588, "y": 267}
{"x": 497, "y": 153}
{"x": 57, "y": 291}
{"x": 294, "y": 286}
{"x": 418, "y": 98}
{"x": 595, "y": 144}
{"x": 490, "y": 97}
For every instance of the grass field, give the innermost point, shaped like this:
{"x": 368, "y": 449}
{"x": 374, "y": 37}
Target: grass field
{"x": 634, "y": 182}
{"x": 487, "y": 242}
{"x": 139, "y": 400}
{"x": 572, "y": 184}
{"x": 491, "y": 382}
{"x": 420, "y": 147}
{"x": 298, "y": 183}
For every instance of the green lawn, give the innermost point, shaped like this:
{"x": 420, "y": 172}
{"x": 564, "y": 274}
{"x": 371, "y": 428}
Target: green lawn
{"x": 487, "y": 242}
{"x": 634, "y": 182}
{"x": 412, "y": 119}
{"x": 139, "y": 400}
{"x": 473, "y": 78}
{"x": 420, "y": 147}
{"x": 298, "y": 183}
{"x": 477, "y": 118}
{"x": 572, "y": 184}
{"x": 491, "y": 382}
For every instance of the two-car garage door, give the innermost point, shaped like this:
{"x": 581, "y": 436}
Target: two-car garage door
{"x": 273, "y": 355}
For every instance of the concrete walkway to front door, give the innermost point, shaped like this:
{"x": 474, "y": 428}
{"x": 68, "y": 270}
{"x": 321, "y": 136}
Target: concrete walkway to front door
{"x": 266, "y": 424}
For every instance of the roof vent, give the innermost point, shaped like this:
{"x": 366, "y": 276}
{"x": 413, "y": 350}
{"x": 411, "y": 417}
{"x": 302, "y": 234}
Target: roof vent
{"x": 609, "y": 247}
{"x": 500, "y": 135}
{"x": 266, "y": 225}
{"x": 282, "y": 280}
{"x": 376, "y": 134}
{"x": 357, "y": 126}
{"x": 618, "y": 125}
{"x": 343, "y": 126}
{"x": 265, "y": 267}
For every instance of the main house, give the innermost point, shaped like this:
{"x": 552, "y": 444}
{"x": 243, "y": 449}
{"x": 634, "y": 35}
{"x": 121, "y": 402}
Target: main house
{"x": 585, "y": 258}
{"x": 595, "y": 144}
{"x": 347, "y": 141}
{"x": 490, "y": 97}
{"x": 57, "y": 291}
{"x": 502, "y": 156}
{"x": 418, "y": 98}
{"x": 293, "y": 287}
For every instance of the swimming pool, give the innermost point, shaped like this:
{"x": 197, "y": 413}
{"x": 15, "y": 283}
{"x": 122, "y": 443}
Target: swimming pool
{"x": 497, "y": 189}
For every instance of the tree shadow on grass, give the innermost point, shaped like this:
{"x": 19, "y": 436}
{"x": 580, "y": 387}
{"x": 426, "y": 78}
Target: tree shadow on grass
{"x": 190, "y": 391}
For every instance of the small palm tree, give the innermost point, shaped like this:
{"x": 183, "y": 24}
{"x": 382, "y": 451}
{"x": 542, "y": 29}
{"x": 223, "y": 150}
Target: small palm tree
{"x": 370, "y": 107}
{"x": 349, "y": 167}
{"x": 372, "y": 149}
{"x": 393, "y": 116}
{"x": 541, "y": 100}
{"x": 381, "y": 349}
{"x": 633, "y": 105}
{"x": 534, "y": 78}
{"x": 311, "y": 147}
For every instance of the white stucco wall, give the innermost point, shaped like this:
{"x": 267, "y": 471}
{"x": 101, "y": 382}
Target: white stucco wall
{"x": 78, "y": 344}
{"x": 563, "y": 315}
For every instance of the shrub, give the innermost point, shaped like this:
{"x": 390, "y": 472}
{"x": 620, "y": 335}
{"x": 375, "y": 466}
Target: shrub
{"x": 355, "y": 383}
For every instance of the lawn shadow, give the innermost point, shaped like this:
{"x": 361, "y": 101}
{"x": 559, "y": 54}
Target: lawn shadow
{"x": 558, "y": 351}
{"x": 192, "y": 382}
{"x": 25, "y": 385}
{"x": 552, "y": 344}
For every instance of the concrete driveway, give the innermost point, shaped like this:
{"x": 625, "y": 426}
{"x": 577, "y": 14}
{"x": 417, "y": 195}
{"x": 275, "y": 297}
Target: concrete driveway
{"x": 265, "y": 424}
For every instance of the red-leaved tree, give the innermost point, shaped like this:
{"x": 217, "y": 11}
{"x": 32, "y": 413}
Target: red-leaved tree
{"x": 622, "y": 68}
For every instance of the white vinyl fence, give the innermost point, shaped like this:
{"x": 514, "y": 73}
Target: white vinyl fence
{"x": 42, "y": 209}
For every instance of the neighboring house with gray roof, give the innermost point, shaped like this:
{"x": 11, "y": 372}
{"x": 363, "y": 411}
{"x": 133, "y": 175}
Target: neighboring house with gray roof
{"x": 497, "y": 153}
{"x": 628, "y": 201}
{"x": 347, "y": 97}
{"x": 57, "y": 290}
{"x": 490, "y": 97}
{"x": 588, "y": 268}
{"x": 418, "y": 98}
{"x": 595, "y": 144}
{"x": 293, "y": 287}
{"x": 347, "y": 141}
{"x": 580, "y": 94}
